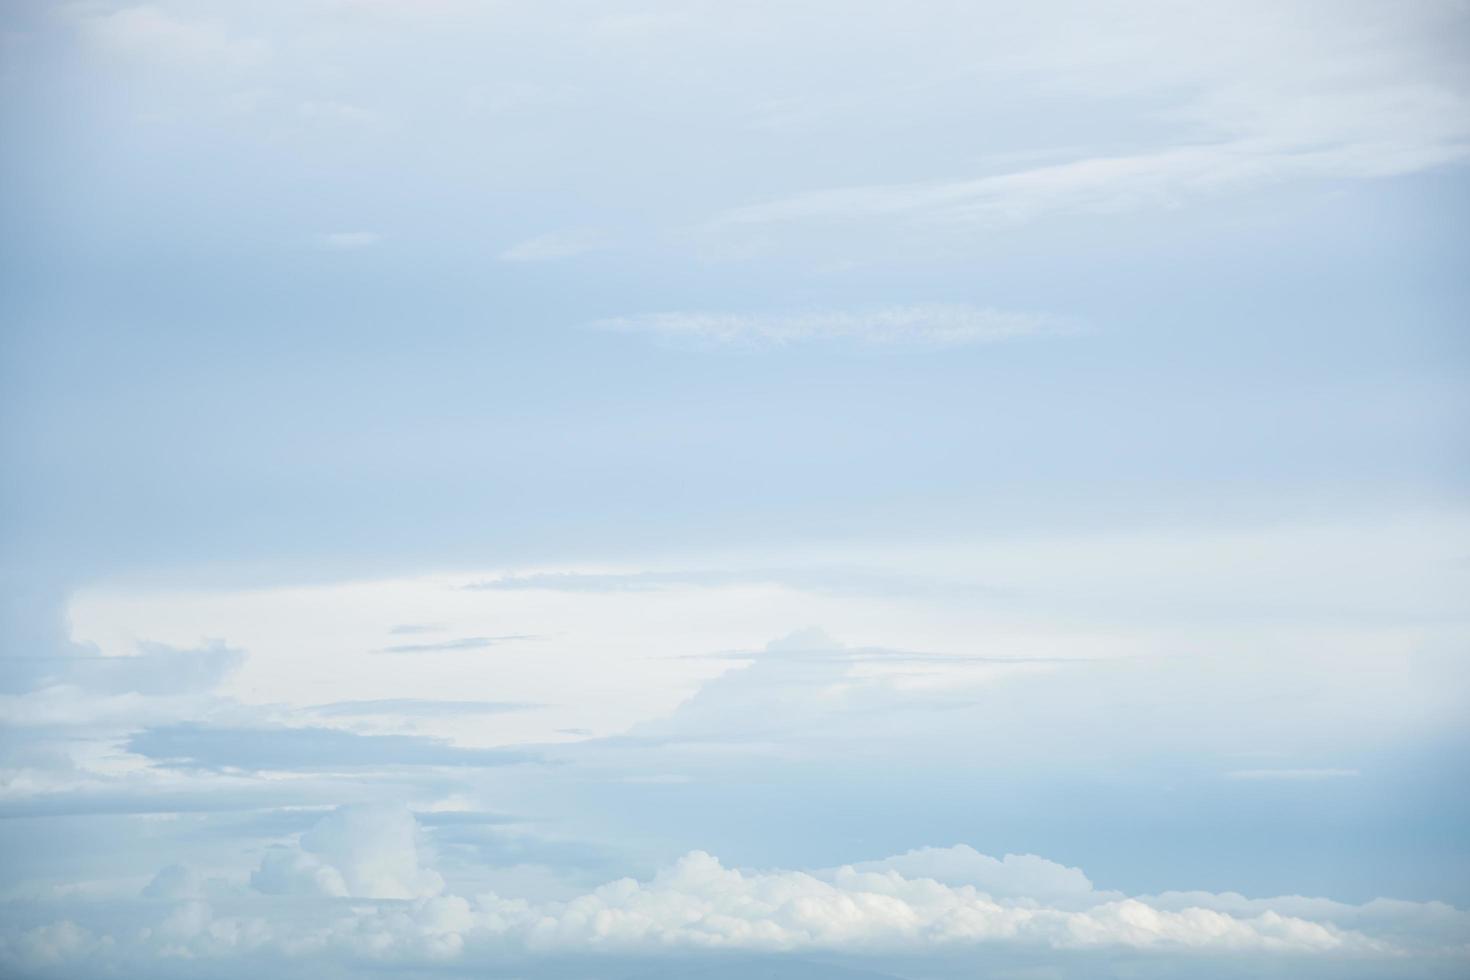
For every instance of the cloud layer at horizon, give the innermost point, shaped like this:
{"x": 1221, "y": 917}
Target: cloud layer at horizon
{"x": 935, "y": 899}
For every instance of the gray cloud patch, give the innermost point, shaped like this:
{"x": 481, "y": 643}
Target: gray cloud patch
{"x": 202, "y": 747}
{"x": 148, "y": 800}
{"x": 155, "y": 670}
{"x": 415, "y": 629}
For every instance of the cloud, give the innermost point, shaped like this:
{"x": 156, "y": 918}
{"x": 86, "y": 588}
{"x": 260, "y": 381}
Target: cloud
{"x": 175, "y": 883}
{"x": 555, "y": 245}
{"x": 418, "y": 707}
{"x": 340, "y": 113}
{"x": 415, "y": 629}
{"x": 931, "y": 325}
{"x": 1013, "y": 876}
{"x": 156, "y": 669}
{"x": 698, "y": 902}
{"x": 203, "y": 747}
{"x": 357, "y": 852}
{"x": 1099, "y": 185}
{"x": 463, "y": 643}
{"x": 1262, "y": 95}
{"x": 348, "y": 241}
{"x": 931, "y": 905}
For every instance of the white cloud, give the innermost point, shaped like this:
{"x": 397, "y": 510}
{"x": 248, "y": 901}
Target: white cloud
{"x": 287, "y": 871}
{"x": 954, "y": 901}
{"x": 925, "y": 325}
{"x": 1108, "y": 184}
{"x": 356, "y": 851}
{"x": 555, "y": 245}
{"x": 1013, "y": 876}
{"x": 344, "y": 241}
{"x": 54, "y": 943}
{"x": 1237, "y": 98}
{"x": 175, "y": 883}
{"x": 700, "y": 903}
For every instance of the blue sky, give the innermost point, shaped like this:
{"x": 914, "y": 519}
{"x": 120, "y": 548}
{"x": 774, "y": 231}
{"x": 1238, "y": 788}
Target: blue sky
{"x": 813, "y": 490}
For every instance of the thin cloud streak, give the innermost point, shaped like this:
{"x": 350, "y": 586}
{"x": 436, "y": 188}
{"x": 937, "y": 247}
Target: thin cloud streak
{"x": 464, "y": 643}
{"x": 419, "y": 707}
{"x": 925, "y": 325}
{"x": 1099, "y": 185}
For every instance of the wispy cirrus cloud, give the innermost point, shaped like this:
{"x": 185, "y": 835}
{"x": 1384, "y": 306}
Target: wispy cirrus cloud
{"x": 1100, "y": 184}
{"x": 555, "y": 245}
{"x": 930, "y": 325}
{"x": 1266, "y": 94}
{"x": 418, "y": 707}
{"x": 463, "y": 643}
{"x": 348, "y": 241}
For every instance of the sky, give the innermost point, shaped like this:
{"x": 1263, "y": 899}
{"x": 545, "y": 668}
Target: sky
{"x": 647, "y": 490}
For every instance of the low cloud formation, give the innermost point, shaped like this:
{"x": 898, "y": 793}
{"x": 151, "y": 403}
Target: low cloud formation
{"x": 949, "y": 902}
{"x": 699, "y": 902}
{"x": 936, "y": 325}
{"x": 355, "y": 852}
{"x": 1013, "y": 876}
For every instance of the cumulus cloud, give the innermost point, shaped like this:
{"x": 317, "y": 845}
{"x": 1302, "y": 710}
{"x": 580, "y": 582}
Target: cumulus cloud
{"x": 701, "y": 903}
{"x": 175, "y": 883}
{"x": 358, "y": 884}
{"x": 1013, "y": 876}
{"x": 923, "y": 325}
{"x": 356, "y": 851}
